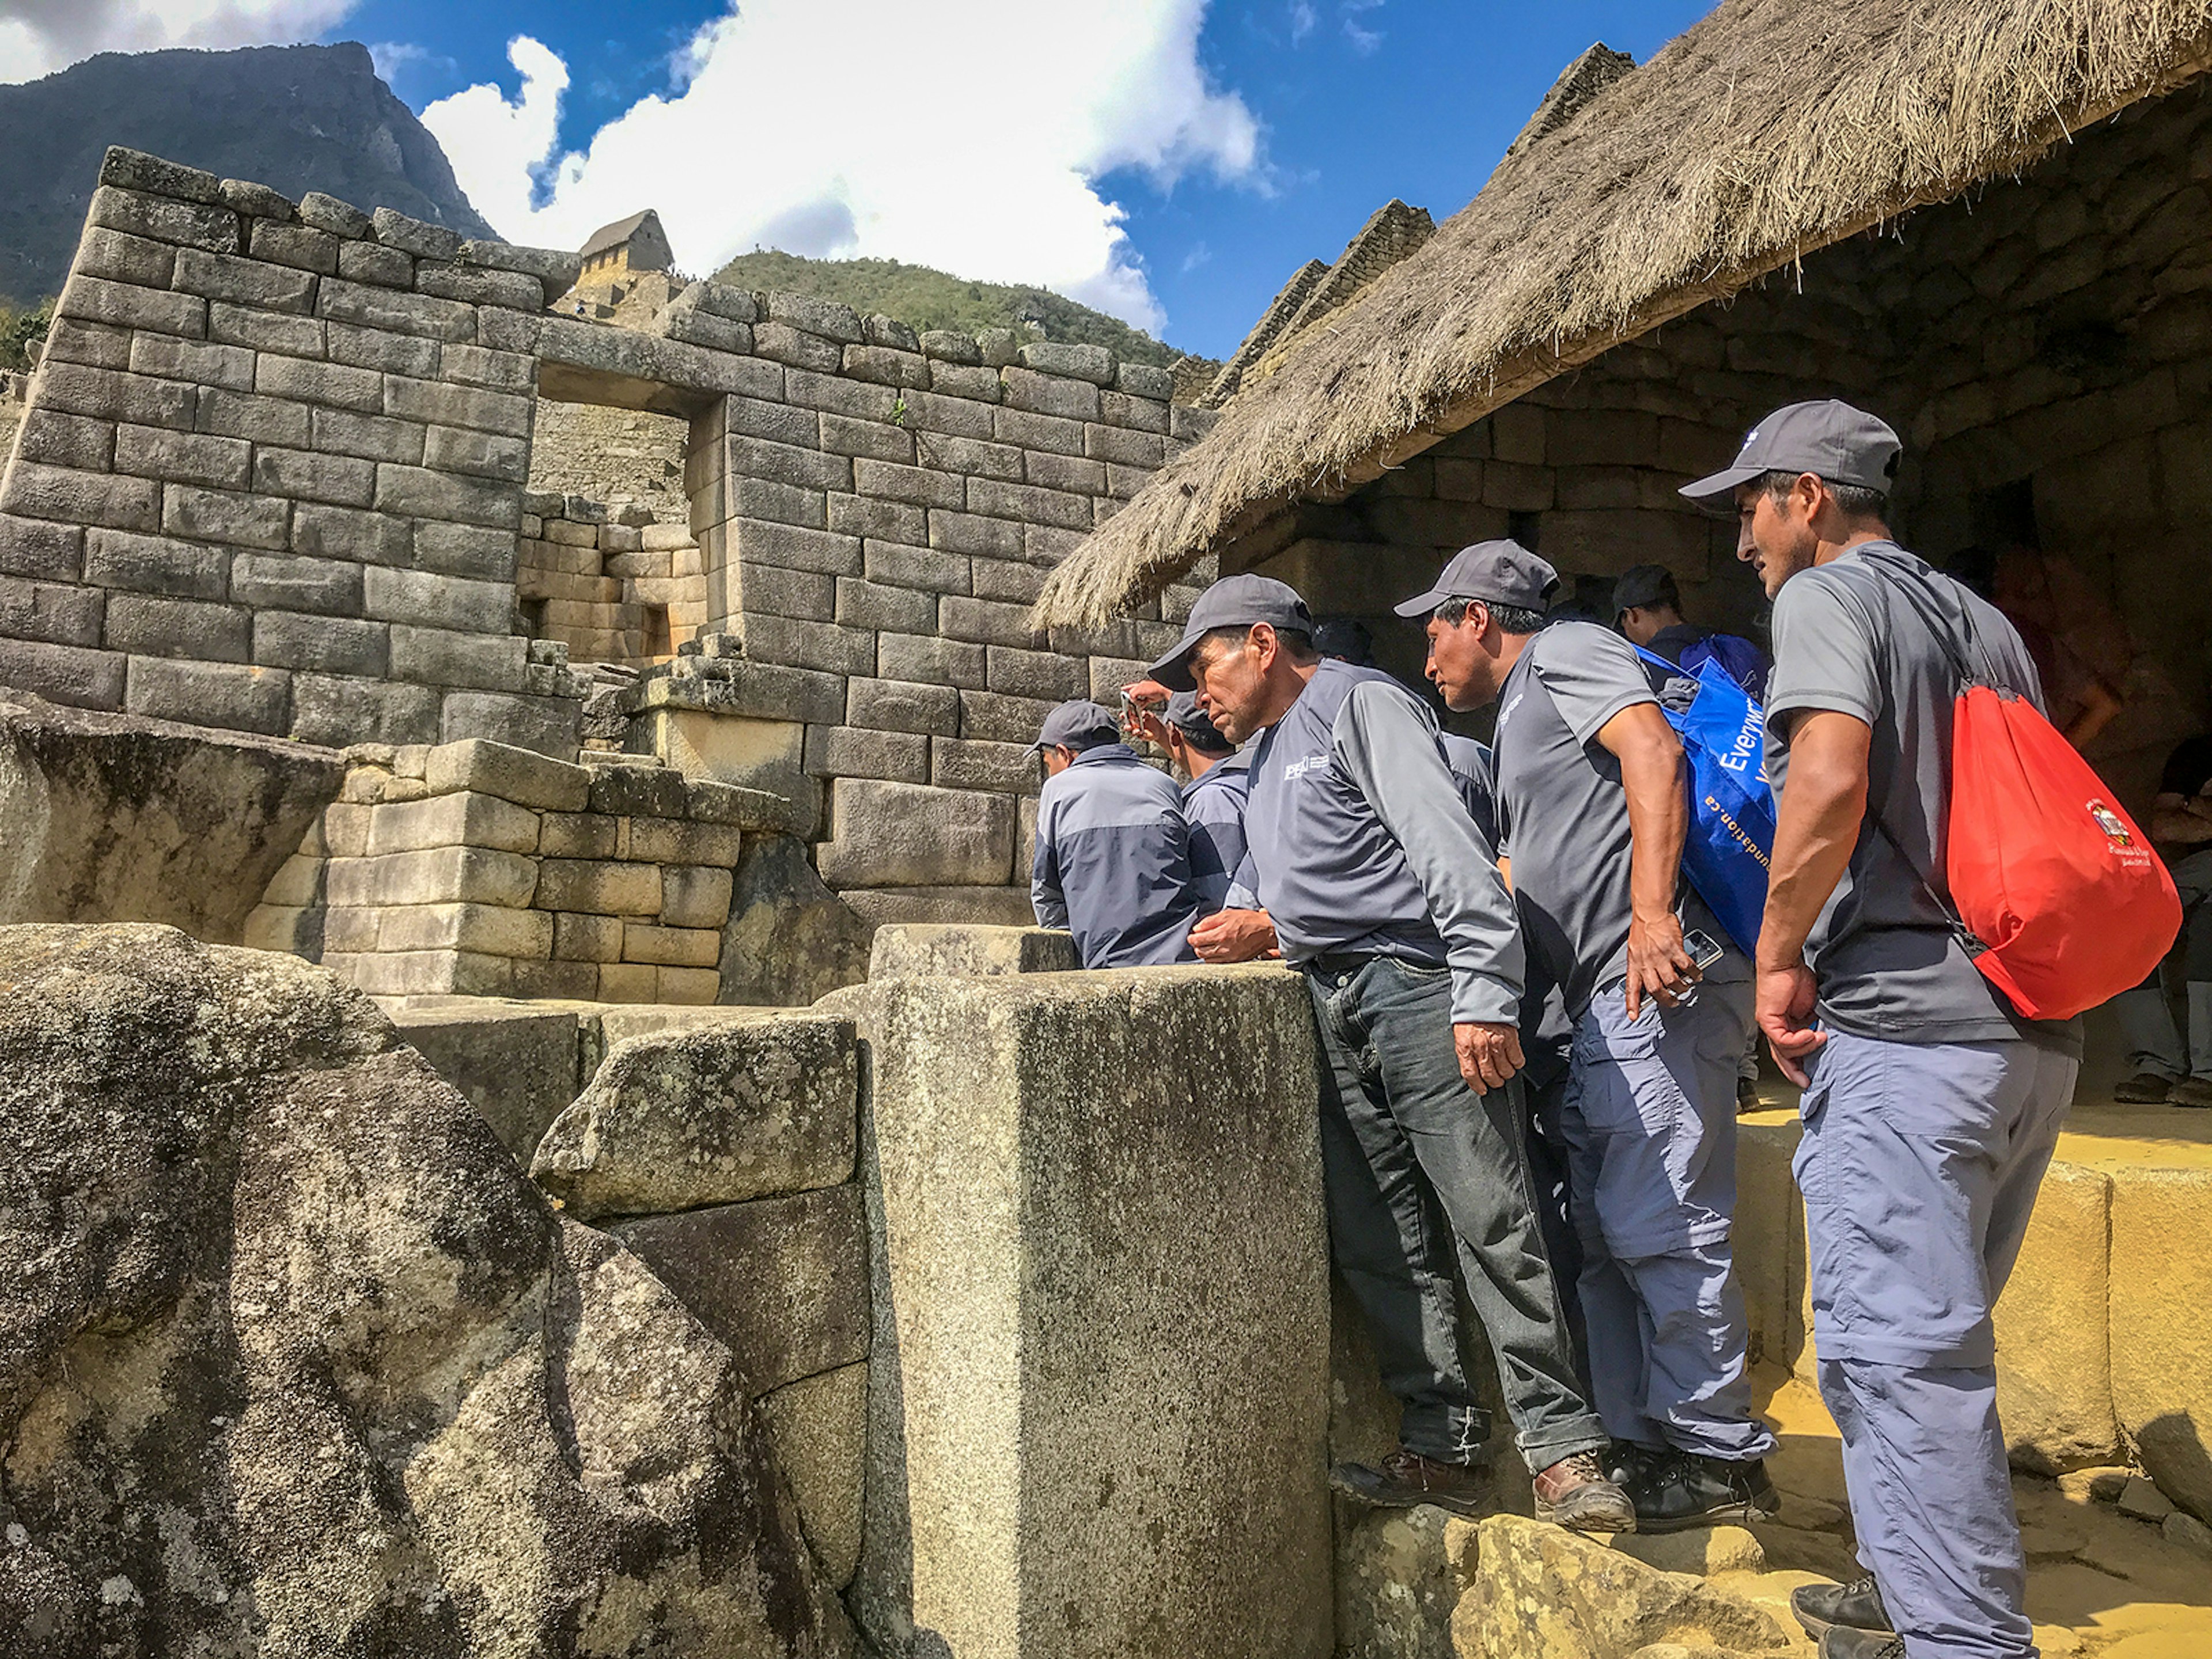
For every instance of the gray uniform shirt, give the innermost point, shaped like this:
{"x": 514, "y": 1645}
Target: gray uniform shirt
{"x": 1113, "y": 862}
{"x": 1360, "y": 843}
{"x": 1214, "y": 805}
{"x": 1885, "y": 951}
{"x": 1473, "y": 770}
{"x": 1563, "y": 814}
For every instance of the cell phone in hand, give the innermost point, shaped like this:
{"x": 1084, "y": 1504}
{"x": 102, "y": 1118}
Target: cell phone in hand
{"x": 1705, "y": 949}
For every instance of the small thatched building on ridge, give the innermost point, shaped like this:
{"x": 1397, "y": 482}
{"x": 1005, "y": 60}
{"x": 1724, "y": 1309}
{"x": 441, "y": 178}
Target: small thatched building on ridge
{"x": 1986, "y": 220}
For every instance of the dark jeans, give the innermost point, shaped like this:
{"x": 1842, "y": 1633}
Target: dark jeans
{"x": 1415, "y": 1162}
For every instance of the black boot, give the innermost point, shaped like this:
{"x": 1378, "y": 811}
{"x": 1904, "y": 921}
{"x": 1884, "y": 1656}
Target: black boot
{"x": 1855, "y": 1606}
{"x": 1845, "y": 1643}
{"x": 1676, "y": 1493}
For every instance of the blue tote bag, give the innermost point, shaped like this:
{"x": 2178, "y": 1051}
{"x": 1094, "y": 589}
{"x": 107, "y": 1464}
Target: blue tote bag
{"x": 1730, "y": 846}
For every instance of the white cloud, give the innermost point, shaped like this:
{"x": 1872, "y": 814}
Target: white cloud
{"x": 392, "y": 58}
{"x": 969, "y": 135}
{"x": 1302, "y": 20}
{"x": 1363, "y": 40}
{"x": 37, "y": 37}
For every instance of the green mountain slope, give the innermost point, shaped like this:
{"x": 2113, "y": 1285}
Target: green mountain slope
{"x": 923, "y": 298}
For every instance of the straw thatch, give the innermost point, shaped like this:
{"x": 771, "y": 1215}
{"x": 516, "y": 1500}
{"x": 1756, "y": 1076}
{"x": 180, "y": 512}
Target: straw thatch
{"x": 1770, "y": 129}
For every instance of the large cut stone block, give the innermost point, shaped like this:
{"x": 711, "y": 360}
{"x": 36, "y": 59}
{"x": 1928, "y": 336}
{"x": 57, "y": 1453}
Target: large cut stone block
{"x": 904, "y": 950}
{"x": 789, "y": 940}
{"x": 767, "y": 755}
{"x": 1098, "y": 1401}
{"x": 516, "y": 1064}
{"x": 111, "y": 818}
{"x": 784, "y": 1281}
{"x": 1769, "y": 1215}
{"x": 904, "y": 834}
{"x": 716, "y": 1116}
{"x": 2161, "y": 1283}
{"x": 818, "y": 1428}
{"x": 2054, "y": 1355}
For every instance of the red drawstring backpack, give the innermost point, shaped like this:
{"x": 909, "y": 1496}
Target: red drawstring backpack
{"x": 2064, "y": 903}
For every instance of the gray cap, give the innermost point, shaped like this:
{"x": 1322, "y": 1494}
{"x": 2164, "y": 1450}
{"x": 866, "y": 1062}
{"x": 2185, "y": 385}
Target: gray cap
{"x": 1079, "y": 724}
{"x": 1829, "y": 438}
{"x": 1187, "y": 717}
{"x": 1497, "y": 573}
{"x": 1642, "y": 586}
{"x": 1232, "y": 602}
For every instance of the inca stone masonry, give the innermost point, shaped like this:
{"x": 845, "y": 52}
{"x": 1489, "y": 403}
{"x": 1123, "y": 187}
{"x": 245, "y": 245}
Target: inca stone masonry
{"x": 273, "y": 478}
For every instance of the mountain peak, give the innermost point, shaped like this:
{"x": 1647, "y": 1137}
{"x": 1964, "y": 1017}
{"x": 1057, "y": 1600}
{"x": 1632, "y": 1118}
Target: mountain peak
{"x": 297, "y": 118}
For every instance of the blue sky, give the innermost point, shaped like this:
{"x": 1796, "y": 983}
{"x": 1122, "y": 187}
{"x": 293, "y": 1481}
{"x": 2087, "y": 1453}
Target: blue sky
{"x": 1356, "y": 103}
{"x": 1169, "y": 160}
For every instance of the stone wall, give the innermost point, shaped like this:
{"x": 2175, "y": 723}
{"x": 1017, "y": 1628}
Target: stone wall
{"x": 272, "y": 470}
{"x": 2092, "y": 1367}
{"x": 609, "y": 587}
{"x": 274, "y": 475}
{"x": 620, "y": 457}
{"x": 476, "y": 869}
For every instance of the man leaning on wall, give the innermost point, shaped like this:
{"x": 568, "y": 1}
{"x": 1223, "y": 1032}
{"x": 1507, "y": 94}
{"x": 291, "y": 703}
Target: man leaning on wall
{"x": 1931, "y": 1109}
{"x": 1593, "y": 815}
{"x": 1112, "y": 861}
{"x": 1384, "y": 894}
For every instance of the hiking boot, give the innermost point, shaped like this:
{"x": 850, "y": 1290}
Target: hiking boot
{"x": 1574, "y": 1493}
{"x": 1406, "y": 1479}
{"x": 1676, "y": 1493}
{"x": 1627, "y": 1462}
{"x": 2190, "y": 1091}
{"x": 2144, "y": 1089}
{"x": 1845, "y": 1643}
{"x": 1748, "y": 1097}
{"x": 1855, "y": 1605}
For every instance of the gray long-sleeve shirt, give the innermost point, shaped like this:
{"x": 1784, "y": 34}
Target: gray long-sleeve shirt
{"x": 1214, "y": 805}
{"x": 1360, "y": 842}
{"x": 1113, "y": 862}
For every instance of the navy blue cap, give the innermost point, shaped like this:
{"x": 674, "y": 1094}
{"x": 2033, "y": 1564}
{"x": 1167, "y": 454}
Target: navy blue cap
{"x": 1079, "y": 724}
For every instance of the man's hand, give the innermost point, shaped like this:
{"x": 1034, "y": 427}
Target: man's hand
{"x": 1489, "y": 1054}
{"x": 1659, "y": 963}
{"x": 1234, "y": 935}
{"x": 1784, "y": 1003}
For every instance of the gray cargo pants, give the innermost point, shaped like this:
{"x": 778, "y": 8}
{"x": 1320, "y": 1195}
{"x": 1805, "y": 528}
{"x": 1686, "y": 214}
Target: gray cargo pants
{"x": 1416, "y": 1162}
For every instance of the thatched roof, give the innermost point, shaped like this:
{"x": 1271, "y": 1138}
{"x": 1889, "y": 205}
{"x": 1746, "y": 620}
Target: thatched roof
{"x": 1769, "y": 129}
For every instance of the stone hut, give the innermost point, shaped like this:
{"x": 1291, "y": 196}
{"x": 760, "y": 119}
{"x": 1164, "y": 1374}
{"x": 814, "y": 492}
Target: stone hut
{"x": 635, "y": 244}
{"x": 1987, "y": 222}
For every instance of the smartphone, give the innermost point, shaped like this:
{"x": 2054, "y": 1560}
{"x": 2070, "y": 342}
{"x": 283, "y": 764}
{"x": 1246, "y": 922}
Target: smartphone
{"x": 1705, "y": 949}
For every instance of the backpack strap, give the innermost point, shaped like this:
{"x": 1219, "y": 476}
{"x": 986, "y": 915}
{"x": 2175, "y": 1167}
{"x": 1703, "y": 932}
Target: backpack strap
{"x": 1923, "y": 605}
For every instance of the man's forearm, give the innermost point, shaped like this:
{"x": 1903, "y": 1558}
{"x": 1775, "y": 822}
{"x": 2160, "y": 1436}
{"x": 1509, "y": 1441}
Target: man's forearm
{"x": 1658, "y": 824}
{"x": 1823, "y": 804}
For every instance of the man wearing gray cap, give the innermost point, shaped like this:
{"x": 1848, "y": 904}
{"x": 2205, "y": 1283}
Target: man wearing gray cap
{"x": 1112, "y": 861}
{"x": 1647, "y": 608}
{"x": 1212, "y": 801}
{"x": 1592, "y": 814}
{"x": 1383, "y": 893}
{"x": 1932, "y": 1107}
